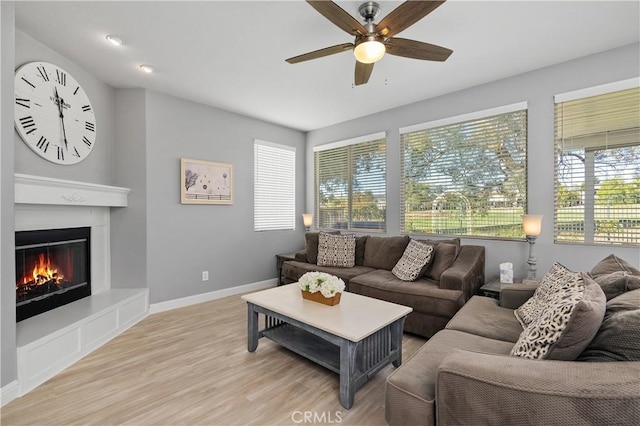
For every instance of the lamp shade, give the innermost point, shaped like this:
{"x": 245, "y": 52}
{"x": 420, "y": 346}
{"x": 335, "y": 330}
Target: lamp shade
{"x": 369, "y": 50}
{"x": 532, "y": 224}
{"x": 307, "y": 219}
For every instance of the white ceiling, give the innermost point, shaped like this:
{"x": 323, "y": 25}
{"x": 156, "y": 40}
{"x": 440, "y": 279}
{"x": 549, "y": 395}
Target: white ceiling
{"x": 231, "y": 54}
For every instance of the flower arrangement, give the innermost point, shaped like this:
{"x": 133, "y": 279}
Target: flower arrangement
{"x": 327, "y": 284}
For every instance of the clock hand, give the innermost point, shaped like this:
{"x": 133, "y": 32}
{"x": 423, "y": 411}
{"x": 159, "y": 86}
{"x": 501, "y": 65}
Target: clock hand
{"x": 59, "y": 101}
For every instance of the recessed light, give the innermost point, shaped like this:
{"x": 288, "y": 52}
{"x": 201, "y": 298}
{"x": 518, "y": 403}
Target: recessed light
{"x": 146, "y": 68}
{"x": 116, "y": 41}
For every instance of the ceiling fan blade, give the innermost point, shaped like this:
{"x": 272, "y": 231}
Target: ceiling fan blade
{"x": 321, "y": 52}
{"x": 405, "y": 15}
{"x": 338, "y": 16}
{"x": 363, "y": 72}
{"x": 417, "y": 49}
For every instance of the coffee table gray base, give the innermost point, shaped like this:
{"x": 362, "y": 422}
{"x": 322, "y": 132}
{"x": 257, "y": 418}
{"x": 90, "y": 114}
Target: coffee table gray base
{"x": 355, "y": 362}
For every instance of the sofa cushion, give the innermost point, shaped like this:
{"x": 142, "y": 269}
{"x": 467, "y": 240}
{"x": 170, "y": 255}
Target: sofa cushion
{"x": 613, "y": 284}
{"x": 336, "y": 250}
{"x": 422, "y": 295}
{"x": 555, "y": 278}
{"x": 483, "y": 316}
{"x": 384, "y": 252}
{"x": 454, "y": 241}
{"x": 311, "y": 245}
{"x": 443, "y": 257}
{"x": 633, "y": 282}
{"x": 293, "y": 270}
{"x": 618, "y": 338}
{"x": 414, "y": 261}
{"x": 568, "y": 322}
{"x": 613, "y": 263}
{"x": 410, "y": 390}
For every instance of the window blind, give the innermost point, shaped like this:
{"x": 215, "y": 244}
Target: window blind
{"x": 597, "y": 169}
{"x": 274, "y": 186}
{"x": 350, "y": 186}
{"x": 466, "y": 178}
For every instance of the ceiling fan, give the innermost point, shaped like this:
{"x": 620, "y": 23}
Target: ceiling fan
{"x": 372, "y": 40}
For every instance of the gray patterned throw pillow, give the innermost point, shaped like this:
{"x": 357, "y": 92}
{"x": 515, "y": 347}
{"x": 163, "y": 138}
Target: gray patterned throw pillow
{"x": 568, "y": 322}
{"x": 337, "y": 250}
{"x": 555, "y": 278}
{"x": 414, "y": 260}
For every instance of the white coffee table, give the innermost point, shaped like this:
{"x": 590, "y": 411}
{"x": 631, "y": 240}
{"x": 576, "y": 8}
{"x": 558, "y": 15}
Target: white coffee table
{"x": 356, "y": 338}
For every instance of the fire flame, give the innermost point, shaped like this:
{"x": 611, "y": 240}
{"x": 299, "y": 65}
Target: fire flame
{"x": 43, "y": 273}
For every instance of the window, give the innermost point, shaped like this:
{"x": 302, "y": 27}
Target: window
{"x": 466, "y": 175}
{"x": 350, "y": 184}
{"x": 597, "y": 173}
{"x": 274, "y": 189}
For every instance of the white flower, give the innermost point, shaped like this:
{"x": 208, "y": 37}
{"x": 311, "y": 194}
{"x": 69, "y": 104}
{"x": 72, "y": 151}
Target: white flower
{"x": 326, "y": 284}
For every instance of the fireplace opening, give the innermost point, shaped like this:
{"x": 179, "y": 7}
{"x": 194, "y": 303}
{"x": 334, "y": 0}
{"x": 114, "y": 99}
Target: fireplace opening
{"x": 52, "y": 269}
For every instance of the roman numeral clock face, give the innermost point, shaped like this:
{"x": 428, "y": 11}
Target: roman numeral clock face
{"x": 52, "y": 113}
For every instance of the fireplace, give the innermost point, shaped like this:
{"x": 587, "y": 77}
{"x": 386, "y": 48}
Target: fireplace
{"x": 52, "y": 269}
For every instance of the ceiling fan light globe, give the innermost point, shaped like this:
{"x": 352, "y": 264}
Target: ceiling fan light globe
{"x": 369, "y": 51}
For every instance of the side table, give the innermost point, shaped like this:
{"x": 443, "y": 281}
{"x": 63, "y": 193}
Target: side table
{"x": 494, "y": 287}
{"x": 280, "y": 259}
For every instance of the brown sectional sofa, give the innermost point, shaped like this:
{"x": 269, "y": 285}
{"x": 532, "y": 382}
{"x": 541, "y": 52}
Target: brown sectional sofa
{"x": 465, "y": 374}
{"x": 455, "y": 274}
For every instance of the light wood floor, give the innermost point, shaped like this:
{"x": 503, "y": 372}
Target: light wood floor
{"x": 190, "y": 366}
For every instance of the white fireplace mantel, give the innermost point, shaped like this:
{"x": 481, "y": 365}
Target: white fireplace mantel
{"x": 70, "y": 332}
{"x": 50, "y": 191}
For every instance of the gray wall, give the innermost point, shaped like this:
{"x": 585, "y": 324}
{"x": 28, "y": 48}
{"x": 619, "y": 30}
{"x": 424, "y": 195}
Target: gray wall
{"x": 164, "y": 245}
{"x": 537, "y": 88}
{"x": 8, "y": 366}
{"x": 129, "y": 225}
{"x": 184, "y": 240}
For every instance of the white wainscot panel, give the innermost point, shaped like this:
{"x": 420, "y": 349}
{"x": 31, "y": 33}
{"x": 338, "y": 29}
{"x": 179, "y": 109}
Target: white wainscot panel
{"x": 50, "y": 342}
{"x": 129, "y": 313}
{"x": 47, "y": 356}
{"x": 97, "y": 328}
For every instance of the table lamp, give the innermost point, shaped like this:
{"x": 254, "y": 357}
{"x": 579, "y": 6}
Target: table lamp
{"x": 307, "y": 219}
{"x": 531, "y": 225}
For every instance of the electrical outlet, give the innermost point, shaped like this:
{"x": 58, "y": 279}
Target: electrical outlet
{"x": 205, "y": 275}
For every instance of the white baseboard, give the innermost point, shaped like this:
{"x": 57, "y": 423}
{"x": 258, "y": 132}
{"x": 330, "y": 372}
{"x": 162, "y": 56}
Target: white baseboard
{"x": 8, "y": 393}
{"x": 212, "y": 295}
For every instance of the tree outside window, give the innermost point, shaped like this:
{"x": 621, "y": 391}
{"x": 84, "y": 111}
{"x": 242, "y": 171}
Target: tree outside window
{"x": 350, "y": 186}
{"x": 466, "y": 178}
{"x": 597, "y": 198}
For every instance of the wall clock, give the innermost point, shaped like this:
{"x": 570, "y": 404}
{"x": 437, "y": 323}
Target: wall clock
{"x": 53, "y": 114}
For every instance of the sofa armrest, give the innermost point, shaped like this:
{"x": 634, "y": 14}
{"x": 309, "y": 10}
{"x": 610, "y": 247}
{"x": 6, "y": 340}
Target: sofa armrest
{"x": 474, "y": 388}
{"x": 512, "y": 296}
{"x": 301, "y": 256}
{"x": 467, "y": 271}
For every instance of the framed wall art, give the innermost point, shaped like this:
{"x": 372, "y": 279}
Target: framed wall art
{"x": 205, "y": 182}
